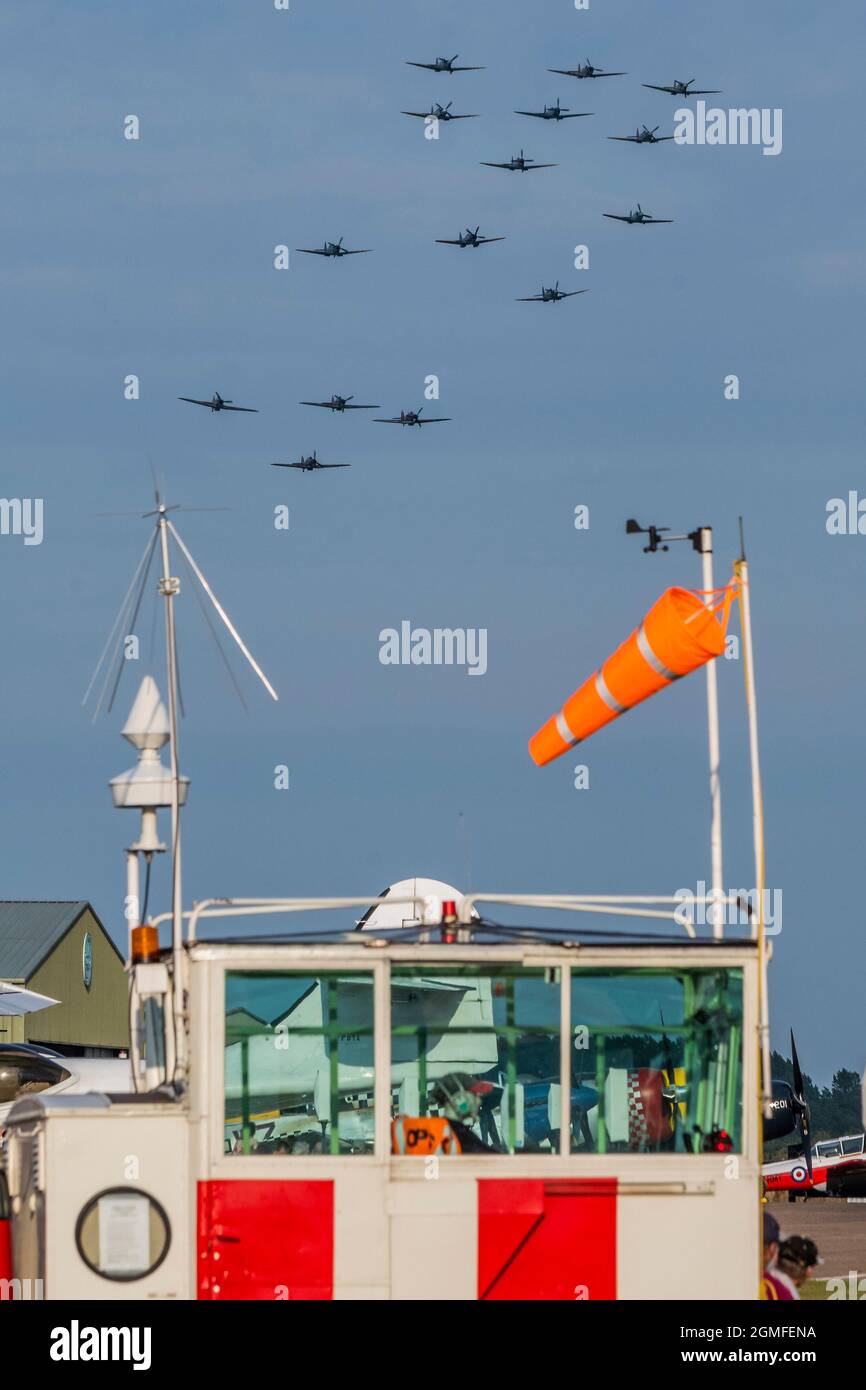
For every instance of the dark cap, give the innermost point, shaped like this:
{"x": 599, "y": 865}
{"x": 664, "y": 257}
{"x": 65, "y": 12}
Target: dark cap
{"x": 771, "y": 1228}
{"x": 470, "y": 1083}
{"x": 800, "y": 1250}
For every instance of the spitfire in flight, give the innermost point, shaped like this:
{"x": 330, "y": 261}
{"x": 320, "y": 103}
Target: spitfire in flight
{"x": 550, "y": 295}
{"x": 468, "y": 238}
{"x": 518, "y": 164}
{"x": 555, "y": 113}
{"x": 586, "y": 70}
{"x": 339, "y": 403}
{"x": 438, "y": 112}
{"x": 637, "y": 214}
{"x": 218, "y": 403}
{"x": 332, "y": 248}
{"x": 643, "y": 136}
{"x": 684, "y": 89}
{"x": 310, "y": 464}
{"x": 443, "y": 65}
{"x": 413, "y": 417}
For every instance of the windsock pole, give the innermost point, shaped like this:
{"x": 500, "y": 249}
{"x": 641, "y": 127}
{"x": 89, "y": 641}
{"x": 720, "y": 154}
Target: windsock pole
{"x": 715, "y": 915}
{"x": 741, "y": 570}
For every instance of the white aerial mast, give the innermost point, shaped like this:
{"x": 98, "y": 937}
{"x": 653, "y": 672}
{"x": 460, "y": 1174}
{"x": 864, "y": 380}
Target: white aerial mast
{"x": 169, "y": 588}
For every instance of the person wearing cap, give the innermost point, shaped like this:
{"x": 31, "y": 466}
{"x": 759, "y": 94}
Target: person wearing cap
{"x": 798, "y": 1257}
{"x": 775, "y": 1287}
{"x": 459, "y": 1096}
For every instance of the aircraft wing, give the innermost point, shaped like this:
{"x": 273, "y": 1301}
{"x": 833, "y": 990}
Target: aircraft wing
{"x": 286, "y": 465}
{"x": 528, "y": 168}
{"x": 704, "y": 92}
{"x": 574, "y": 115}
{"x": 530, "y": 113}
{"x": 434, "y": 420}
{"x": 470, "y": 116}
{"x": 330, "y": 465}
{"x": 484, "y": 239}
{"x": 447, "y": 241}
{"x": 481, "y": 69}
{"x": 658, "y": 219}
{"x": 362, "y": 407}
{"x": 632, "y": 138}
{"x": 569, "y": 294}
{"x": 394, "y": 421}
{"x": 526, "y": 298}
{"x": 325, "y": 405}
{"x": 247, "y": 409}
{"x": 194, "y": 402}
{"x": 653, "y": 88}
{"x": 617, "y": 216}
{"x": 363, "y": 252}
{"x": 564, "y": 72}
{"x": 308, "y": 252}
{"x": 410, "y": 64}
{"x": 422, "y": 114}
{"x": 489, "y": 165}
{"x": 610, "y": 74}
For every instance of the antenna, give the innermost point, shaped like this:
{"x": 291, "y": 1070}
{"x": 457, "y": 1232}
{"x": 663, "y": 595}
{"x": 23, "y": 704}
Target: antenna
{"x": 169, "y": 588}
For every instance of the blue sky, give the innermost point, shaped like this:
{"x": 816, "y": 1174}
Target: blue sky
{"x": 155, "y": 257}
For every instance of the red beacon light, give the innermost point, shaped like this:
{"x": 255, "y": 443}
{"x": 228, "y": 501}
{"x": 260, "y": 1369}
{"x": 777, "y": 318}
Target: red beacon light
{"x": 718, "y": 1141}
{"x": 449, "y": 921}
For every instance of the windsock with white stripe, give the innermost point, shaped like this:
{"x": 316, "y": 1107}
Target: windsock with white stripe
{"x": 679, "y": 634}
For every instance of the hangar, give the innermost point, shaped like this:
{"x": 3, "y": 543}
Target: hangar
{"x": 62, "y": 949}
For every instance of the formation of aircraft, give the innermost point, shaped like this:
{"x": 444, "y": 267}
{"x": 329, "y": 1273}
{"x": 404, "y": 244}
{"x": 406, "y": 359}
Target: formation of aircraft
{"x": 637, "y": 214}
{"x": 643, "y": 136}
{"x": 413, "y": 417}
{"x": 518, "y": 164}
{"x": 550, "y": 295}
{"x": 438, "y": 112}
{"x": 467, "y": 238}
{"x": 339, "y": 403}
{"x": 555, "y": 113}
{"x": 217, "y": 402}
{"x": 443, "y": 65}
{"x": 684, "y": 89}
{"x": 332, "y": 248}
{"x": 586, "y": 70}
{"x": 310, "y": 464}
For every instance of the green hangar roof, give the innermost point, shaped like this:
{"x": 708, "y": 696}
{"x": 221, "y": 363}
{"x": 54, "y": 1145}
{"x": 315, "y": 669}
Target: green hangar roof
{"x": 29, "y": 931}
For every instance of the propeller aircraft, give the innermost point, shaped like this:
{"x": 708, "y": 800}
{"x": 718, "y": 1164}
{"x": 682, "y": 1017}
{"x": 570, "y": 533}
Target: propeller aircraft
{"x": 636, "y": 215}
{"x": 586, "y": 70}
{"x": 332, "y": 248}
{"x": 518, "y": 164}
{"x": 339, "y": 403}
{"x": 310, "y": 464}
{"x": 438, "y": 112}
{"x": 550, "y": 295}
{"x": 468, "y": 238}
{"x": 555, "y": 113}
{"x": 218, "y": 403}
{"x": 684, "y": 89}
{"x": 643, "y": 136}
{"x": 413, "y": 417}
{"x": 443, "y": 65}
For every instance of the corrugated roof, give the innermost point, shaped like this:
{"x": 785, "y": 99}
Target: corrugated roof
{"x": 30, "y": 931}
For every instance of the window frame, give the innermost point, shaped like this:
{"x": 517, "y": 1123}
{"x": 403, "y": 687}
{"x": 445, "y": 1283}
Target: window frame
{"x": 220, "y": 961}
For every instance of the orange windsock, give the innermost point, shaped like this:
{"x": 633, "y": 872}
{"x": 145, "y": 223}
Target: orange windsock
{"x": 679, "y": 633}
